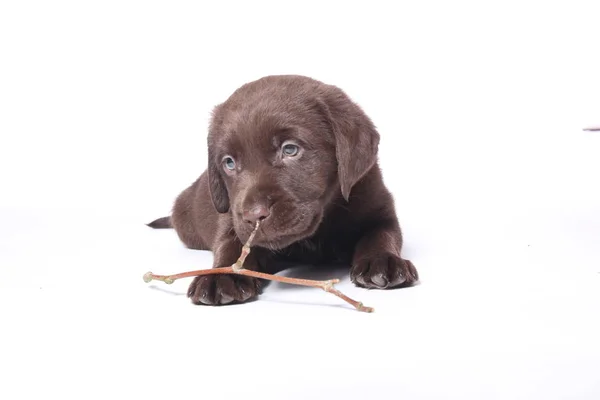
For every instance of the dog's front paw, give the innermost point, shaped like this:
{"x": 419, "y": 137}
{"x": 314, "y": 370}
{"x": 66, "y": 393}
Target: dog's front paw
{"x": 383, "y": 272}
{"x": 223, "y": 289}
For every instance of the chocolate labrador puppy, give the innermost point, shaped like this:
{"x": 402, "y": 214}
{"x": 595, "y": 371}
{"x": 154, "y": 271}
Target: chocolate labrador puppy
{"x": 300, "y": 156}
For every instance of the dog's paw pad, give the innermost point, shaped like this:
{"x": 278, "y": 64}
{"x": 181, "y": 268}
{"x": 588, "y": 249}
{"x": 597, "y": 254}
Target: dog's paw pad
{"x": 223, "y": 289}
{"x": 384, "y": 272}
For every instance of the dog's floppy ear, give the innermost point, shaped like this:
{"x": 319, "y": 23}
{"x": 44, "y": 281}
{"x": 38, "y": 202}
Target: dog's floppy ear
{"x": 356, "y": 138}
{"x": 218, "y": 191}
{"x": 216, "y": 185}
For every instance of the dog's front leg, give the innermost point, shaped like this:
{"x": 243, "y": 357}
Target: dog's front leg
{"x": 227, "y": 288}
{"x": 377, "y": 262}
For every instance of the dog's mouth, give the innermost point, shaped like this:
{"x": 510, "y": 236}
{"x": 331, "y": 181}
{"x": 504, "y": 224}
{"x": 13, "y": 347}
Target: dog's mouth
{"x": 266, "y": 238}
{"x": 280, "y": 230}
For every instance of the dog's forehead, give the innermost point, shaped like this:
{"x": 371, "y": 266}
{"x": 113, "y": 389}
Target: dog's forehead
{"x": 260, "y": 125}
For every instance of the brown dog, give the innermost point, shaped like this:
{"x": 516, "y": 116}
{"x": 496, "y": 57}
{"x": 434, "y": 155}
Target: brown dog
{"x": 301, "y": 157}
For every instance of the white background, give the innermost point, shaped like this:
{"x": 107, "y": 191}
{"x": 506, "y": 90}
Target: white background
{"x": 103, "y": 115}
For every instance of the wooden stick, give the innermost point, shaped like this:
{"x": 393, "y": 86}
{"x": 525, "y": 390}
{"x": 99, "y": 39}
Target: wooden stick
{"x": 237, "y": 268}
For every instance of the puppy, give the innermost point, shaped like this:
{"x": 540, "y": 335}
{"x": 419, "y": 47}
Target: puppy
{"x": 300, "y": 156}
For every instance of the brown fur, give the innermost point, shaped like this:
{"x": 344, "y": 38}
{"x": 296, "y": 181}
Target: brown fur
{"x": 327, "y": 204}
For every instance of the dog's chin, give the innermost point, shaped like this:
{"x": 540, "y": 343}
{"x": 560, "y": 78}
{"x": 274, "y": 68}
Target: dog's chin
{"x": 274, "y": 238}
{"x": 280, "y": 242}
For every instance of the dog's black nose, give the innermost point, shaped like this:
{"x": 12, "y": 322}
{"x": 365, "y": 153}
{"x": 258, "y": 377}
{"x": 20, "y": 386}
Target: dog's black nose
{"x": 256, "y": 213}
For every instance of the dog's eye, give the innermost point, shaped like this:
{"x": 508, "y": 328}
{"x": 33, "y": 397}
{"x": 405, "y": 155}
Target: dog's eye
{"x": 229, "y": 163}
{"x": 290, "y": 150}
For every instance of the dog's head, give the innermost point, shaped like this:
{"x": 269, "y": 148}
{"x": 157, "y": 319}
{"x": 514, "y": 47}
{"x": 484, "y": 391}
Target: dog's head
{"x": 280, "y": 149}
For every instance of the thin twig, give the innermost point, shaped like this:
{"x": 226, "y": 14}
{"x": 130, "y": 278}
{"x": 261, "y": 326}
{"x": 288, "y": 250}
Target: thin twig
{"x": 592, "y": 129}
{"x": 237, "y": 268}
